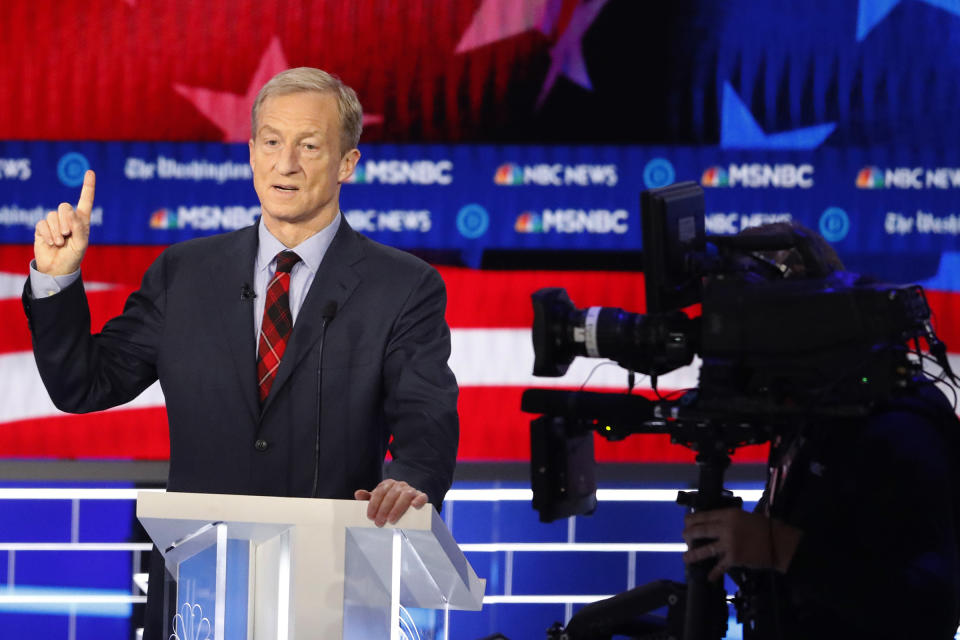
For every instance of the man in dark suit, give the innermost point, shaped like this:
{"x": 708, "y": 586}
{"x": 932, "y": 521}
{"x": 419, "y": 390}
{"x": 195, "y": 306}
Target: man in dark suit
{"x": 256, "y": 406}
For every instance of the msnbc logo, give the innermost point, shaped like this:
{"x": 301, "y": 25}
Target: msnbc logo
{"x": 508, "y": 174}
{"x": 870, "y": 178}
{"x": 402, "y": 172}
{"x": 715, "y": 177}
{"x": 359, "y": 175}
{"x": 528, "y": 222}
{"x": 163, "y": 219}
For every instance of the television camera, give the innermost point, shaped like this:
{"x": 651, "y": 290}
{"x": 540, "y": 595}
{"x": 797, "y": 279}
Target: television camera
{"x": 782, "y": 336}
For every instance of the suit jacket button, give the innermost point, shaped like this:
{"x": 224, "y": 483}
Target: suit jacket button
{"x": 261, "y": 445}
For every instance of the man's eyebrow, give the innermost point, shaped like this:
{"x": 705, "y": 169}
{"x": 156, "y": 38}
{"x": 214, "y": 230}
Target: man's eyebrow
{"x": 299, "y": 136}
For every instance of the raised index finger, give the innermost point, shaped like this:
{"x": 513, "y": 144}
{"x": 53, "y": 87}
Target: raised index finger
{"x": 85, "y": 204}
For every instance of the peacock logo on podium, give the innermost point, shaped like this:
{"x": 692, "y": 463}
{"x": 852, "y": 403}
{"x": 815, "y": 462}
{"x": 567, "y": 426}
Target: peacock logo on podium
{"x": 190, "y": 624}
{"x": 408, "y": 629}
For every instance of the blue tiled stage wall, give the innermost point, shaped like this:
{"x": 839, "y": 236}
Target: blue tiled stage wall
{"x": 508, "y": 572}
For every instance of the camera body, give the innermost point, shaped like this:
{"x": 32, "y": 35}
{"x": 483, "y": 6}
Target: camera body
{"x": 767, "y": 338}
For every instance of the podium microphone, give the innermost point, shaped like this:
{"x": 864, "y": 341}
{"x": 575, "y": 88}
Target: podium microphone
{"x": 327, "y": 315}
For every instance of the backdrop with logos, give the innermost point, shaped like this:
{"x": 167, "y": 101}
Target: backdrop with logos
{"x": 489, "y": 125}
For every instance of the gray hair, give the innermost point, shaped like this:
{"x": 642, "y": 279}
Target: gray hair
{"x": 309, "y": 79}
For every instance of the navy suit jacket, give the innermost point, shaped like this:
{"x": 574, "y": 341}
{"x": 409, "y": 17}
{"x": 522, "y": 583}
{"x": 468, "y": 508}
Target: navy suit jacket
{"x": 377, "y": 371}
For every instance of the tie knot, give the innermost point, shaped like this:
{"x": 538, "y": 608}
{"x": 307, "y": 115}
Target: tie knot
{"x": 286, "y": 260}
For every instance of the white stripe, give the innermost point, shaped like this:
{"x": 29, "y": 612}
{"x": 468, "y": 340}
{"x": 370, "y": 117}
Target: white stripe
{"x": 454, "y": 495}
{"x": 11, "y": 284}
{"x": 23, "y": 493}
{"x": 131, "y": 599}
{"x": 575, "y": 599}
{"x": 479, "y": 357}
{"x": 504, "y": 357}
{"x": 75, "y": 546}
{"x": 70, "y": 599}
{"x": 603, "y": 495}
{"x": 24, "y": 396}
{"x": 605, "y": 547}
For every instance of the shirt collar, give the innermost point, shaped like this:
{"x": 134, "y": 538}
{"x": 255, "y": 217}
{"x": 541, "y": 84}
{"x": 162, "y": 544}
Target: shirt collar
{"x": 311, "y": 250}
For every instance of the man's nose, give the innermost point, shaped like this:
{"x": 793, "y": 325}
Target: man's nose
{"x": 289, "y": 160}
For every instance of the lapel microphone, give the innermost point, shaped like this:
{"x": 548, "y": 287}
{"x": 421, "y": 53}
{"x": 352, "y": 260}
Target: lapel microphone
{"x": 329, "y": 311}
{"x": 247, "y": 293}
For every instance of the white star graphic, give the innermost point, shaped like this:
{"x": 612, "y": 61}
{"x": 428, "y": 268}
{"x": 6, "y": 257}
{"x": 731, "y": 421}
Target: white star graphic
{"x": 230, "y": 112}
{"x": 499, "y": 19}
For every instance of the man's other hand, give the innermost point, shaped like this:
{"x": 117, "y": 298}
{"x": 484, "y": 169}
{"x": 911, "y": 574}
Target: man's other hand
{"x": 739, "y": 539}
{"x": 61, "y": 239}
{"x": 390, "y": 500}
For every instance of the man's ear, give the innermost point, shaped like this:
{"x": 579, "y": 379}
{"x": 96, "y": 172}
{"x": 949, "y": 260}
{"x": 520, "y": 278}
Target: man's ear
{"x": 250, "y": 145}
{"x": 348, "y": 162}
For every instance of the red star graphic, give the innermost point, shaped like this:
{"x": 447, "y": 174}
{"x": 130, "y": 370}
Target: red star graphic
{"x": 230, "y": 112}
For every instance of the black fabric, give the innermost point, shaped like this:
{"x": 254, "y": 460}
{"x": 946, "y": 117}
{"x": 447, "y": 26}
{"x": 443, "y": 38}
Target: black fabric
{"x": 878, "y": 501}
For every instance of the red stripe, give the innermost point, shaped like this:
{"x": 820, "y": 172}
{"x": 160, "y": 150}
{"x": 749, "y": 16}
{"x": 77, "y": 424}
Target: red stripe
{"x": 492, "y": 429}
{"x": 945, "y": 307}
{"x": 16, "y": 337}
{"x": 15, "y": 258}
{"x": 118, "y": 264}
{"x": 501, "y": 299}
{"x": 476, "y": 299}
{"x": 126, "y": 434}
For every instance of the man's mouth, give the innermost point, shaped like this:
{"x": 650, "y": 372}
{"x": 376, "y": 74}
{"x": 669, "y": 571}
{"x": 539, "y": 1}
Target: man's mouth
{"x": 284, "y": 187}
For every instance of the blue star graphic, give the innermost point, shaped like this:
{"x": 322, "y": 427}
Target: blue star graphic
{"x": 871, "y": 12}
{"x": 947, "y": 277}
{"x": 740, "y": 130}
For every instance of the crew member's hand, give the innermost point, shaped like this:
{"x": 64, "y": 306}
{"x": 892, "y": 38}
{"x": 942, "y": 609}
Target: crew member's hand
{"x": 739, "y": 539}
{"x": 61, "y": 239}
{"x": 389, "y": 500}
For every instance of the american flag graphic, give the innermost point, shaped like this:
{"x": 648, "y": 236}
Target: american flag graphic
{"x": 492, "y": 357}
{"x": 426, "y": 71}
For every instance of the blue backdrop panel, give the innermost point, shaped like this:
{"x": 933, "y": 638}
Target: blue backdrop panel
{"x": 470, "y": 198}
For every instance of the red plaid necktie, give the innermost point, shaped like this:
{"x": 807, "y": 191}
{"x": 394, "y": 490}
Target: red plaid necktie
{"x": 277, "y": 323}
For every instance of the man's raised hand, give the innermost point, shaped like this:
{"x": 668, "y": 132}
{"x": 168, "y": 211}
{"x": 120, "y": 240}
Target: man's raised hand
{"x": 61, "y": 239}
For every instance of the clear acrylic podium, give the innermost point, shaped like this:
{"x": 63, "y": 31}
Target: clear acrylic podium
{"x": 266, "y": 568}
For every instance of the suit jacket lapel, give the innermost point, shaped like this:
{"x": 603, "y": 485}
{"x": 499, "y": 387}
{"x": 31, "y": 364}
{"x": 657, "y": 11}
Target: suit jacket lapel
{"x": 230, "y": 272}
{"x": 334, "y": 281}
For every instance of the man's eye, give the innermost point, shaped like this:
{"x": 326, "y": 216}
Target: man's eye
{"x": 310, "y": 147}
{"x": 271, "y": 142}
